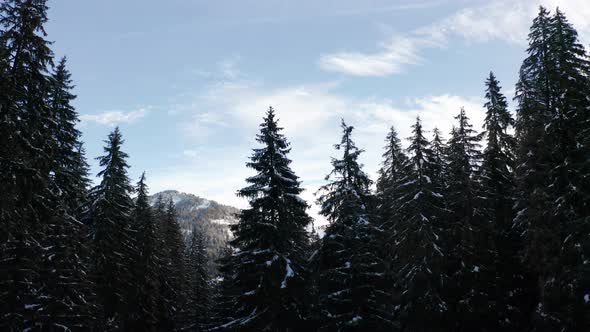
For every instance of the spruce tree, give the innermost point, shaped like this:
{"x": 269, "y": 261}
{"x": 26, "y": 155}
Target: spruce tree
{"x": 389, "y": 174}
{"x": 498, "y": 181}
{"x": 533, "y": 100}
{"x": 267, "y": 287}
{"x": 439, "y": 161}
{"x": 68, "y": 291}
{"x": 109, "y": 218}
{"x": 498, "y": 158}
{"x": 470, "y": 242}
{"x": 552, "y": 173}
{"x": 26, "y": 126}
{"x": 563, "y": 295}
{"x": 146, "y": 264}
{"x": 352, "y": 284}
{"x": 419, "y": 253}
{"x": 569, "y": 123}
{"x": 171, "y": 270}
{"x": 196, "y": 311}
{"x": 69, "y": 168}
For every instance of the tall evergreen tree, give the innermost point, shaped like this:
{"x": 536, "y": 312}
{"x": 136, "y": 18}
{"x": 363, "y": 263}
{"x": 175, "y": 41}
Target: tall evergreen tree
{"x": 569, "y": 280}
{"x": 26, "y": 203}
{"x": 419, "y": 254}
{"x": 498, "y": 157}
{"x": 352, "y": 283}
{"x": 394, "y": 159}
{"x": 146, "y": 264}
{"x": 268, "y": 284}
{"x": 463, "y": 159}
{"x": 171, "y": 270}
{"x": 109, "y": 218}
{"x": 439, "y": 161}
{"x": 534, "y": 102}
{"x": 471, "y": 252}
{"x": 68, "y": 291}
{"x": 498, "y": 181}
{"x": 196, "y": 312}
{"x": 70, "y": 180}
{"x": 552, "y": 171}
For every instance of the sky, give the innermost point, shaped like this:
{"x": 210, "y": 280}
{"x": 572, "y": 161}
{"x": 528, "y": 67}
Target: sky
{"x": 188, "y": 82}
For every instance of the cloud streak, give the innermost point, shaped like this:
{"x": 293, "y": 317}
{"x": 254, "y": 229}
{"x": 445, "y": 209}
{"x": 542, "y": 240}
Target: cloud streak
{"x": 396, "y": 54}
{"x": 113, "y": 118}
{"x": 502, "y": 20}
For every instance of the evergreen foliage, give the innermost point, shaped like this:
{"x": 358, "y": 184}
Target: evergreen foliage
{"x": 390, "y": 173}
{"x": 418, "y": 248}
{"x": 352, "y": 289}
{"x": 269, "y": 274}
{"x": 197, "y": 309}
{"x": 470, "y": 242}
{"x": 146, "y": 260}
{"x": 109, "y": 218}
{"x": 171, "y": 269}
{"x": 552, "y": 201}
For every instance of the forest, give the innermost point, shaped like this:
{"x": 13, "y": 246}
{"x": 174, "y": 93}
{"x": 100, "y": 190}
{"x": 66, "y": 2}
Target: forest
{"x": 478, "y": 230}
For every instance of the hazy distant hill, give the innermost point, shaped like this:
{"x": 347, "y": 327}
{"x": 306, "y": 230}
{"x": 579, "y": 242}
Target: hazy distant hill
{"x": 207, "y": 215}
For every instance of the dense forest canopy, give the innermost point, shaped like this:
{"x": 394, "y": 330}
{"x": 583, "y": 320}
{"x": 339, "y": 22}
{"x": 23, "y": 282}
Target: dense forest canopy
{"x": 465, "y": 229}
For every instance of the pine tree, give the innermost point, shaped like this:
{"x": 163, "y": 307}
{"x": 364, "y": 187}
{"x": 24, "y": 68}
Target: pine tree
{"x": 389, "y": 174}
{"x": 145, "y": 270}
{"x": 268, "y": 284}
{"x": 419, "y": 253}
{"x": 69, "y": 170}
{"x": 109, "y": 218}
{"x": 463, "y": 157}
{"x": 352, "y": 283}
{"x": 439, "y": 161}
{"x": 497, "y": 173}
{"x": 171, "y": 244}
{"x": 471, "y": 252}
{"x": 569, "y": 177}
{"x": 532, "y": 115}
{"x": 68, "y": 291}
{"x": 570, "y": 183}
{"x": 198, "y": 291}
{"x": 26, "y": 203}
{"x": 498, "y": 157}
{"x": 552, "y": 173}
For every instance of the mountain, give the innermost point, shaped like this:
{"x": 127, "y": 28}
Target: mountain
{"x": 206, "y": 215}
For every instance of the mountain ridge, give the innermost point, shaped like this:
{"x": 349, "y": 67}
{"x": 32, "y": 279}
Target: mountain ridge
{"x": 212, "y": 218}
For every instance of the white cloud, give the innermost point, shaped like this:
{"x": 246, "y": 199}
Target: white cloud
{"x": 112, "y": 118}
{"x": 395, "y": 55}
{"x": 190, "y": 153}
{"x": 503, "y": 20}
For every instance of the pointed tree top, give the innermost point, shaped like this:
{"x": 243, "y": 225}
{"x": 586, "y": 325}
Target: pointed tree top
{"x": 141, "y": 185}
{"x": 492, "y": 77}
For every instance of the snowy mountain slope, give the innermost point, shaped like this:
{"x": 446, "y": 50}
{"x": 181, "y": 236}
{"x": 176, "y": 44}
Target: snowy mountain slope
{"x": 209, "y": 216}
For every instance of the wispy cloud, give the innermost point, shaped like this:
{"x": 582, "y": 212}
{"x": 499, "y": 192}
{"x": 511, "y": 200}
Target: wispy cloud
{"x": 396, "y": 54}
{"x": 112, "y": 118}
{"x": 503, "y": 20}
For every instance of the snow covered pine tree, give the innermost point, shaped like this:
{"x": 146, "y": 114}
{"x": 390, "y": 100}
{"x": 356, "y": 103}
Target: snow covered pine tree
{"x": 267, "y": 289}
{"x": 352, "y": 280}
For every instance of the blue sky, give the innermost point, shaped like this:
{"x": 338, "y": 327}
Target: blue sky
{"x": 189, "y": 81}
